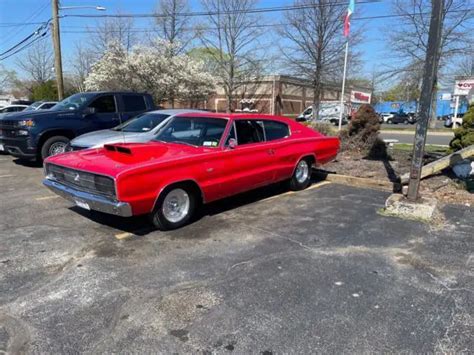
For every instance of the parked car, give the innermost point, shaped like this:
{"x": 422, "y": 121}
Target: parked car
{"x": 402, "y": 117}
{"x": 41, "y": 105}
{"x": 39, "y": 134}
{"x": 195, "y": 158}
{"x": 449, "y": 120}
{"x": 12, "y": 108}
{"x": 137, "y": 130}
{"x": 386, "y": 116}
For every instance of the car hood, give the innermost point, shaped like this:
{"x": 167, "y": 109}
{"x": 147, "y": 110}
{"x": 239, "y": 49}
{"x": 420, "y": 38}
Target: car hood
{"x": 36, "y": 115}
{"x": 109, "y": 136}
{"x": 114, "y": 159}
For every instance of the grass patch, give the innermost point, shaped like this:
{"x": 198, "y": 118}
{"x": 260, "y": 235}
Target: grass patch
{"x": 429, "y": 148}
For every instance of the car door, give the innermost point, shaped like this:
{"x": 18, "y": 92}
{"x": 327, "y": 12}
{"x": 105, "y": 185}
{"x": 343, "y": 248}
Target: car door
{"x": 105, "y": 113}
{"x": 277, "y": 135}
{"x": 249, "y": 164}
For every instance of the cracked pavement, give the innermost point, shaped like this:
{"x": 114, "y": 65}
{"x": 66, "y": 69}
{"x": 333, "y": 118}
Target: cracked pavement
{"x": 265, "y": 272}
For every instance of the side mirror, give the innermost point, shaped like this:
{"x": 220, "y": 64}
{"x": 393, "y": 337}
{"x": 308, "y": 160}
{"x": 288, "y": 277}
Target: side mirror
{"x": 89, "y": 111}
{"x": 232, "y": 143}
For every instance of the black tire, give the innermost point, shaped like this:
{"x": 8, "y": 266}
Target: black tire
{"x": 51, "y": 144}
{"x": 296, "y": 183}
{"x": 405, "y": 121}
{"x": 158, "y": 216}
{"x": 389, "y": 121}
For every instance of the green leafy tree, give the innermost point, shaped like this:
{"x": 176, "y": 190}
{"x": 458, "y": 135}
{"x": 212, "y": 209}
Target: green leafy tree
{"x": 464, "y": 135}
{"x": 45, "y": 91}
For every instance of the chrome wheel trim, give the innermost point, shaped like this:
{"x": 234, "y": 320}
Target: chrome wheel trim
{"x": 57, "y": 148}
{"x": 302, "y": 171}
{"x": 176, "y": 205}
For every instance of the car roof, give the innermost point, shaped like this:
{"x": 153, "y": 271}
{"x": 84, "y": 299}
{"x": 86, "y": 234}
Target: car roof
{"x": 15, "y": 105}
{"x": 251, "y": 116}
{"x": 174, "y": 111}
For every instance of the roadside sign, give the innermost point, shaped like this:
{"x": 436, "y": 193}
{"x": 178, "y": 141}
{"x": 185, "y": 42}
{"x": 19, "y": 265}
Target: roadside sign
{"x": 360, "y": 97}
{"x": 462, "y": 87}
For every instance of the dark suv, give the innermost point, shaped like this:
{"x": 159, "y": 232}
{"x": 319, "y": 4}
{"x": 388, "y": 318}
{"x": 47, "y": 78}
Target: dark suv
{"x": 39, "y": 134}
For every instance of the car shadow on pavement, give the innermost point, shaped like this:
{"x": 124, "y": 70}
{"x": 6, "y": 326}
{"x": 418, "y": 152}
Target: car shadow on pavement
{"x": 28, "y": 163}
{"x": 141, "y": 226}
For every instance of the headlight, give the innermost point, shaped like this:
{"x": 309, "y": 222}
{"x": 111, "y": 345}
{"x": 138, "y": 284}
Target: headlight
{"x": 26, "y": 123}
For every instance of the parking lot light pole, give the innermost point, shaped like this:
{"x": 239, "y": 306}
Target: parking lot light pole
{"x": 427, "y": 90}
{"x": 58, "y": 64}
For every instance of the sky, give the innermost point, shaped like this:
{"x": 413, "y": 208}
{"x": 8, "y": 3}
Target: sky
{"x": 374, "y": 49}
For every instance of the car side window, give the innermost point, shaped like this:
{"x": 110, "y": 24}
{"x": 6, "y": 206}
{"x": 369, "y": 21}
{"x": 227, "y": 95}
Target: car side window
{"x": 104, "y": 104}
{"x": 275, "y": 130}
{"x": 134, "y": 103}
{"x": 249, "y": 131}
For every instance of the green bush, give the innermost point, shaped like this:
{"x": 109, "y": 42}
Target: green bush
{"x": 464, "y": 135}
{"x": 45, "y": 91}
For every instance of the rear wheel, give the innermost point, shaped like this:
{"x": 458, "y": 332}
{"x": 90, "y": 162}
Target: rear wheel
{"x": 174, "y": 208}
{"x": 302, "y": 175}
{"x": 54, "y": 145}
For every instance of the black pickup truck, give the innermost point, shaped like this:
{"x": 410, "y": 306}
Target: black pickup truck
{"x": 39, "y": 134}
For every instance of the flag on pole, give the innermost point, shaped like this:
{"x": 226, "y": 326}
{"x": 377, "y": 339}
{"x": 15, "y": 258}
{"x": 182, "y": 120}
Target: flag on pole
{"x": 347, "y": 19}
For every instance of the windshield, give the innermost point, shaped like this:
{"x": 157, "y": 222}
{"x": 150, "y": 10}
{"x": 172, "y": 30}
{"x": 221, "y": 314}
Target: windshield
{"x": 73, "y": 102}
{"x": 143, "y": 123}
{"x": 196, "y": 131}
{"x": 33, "y": 106}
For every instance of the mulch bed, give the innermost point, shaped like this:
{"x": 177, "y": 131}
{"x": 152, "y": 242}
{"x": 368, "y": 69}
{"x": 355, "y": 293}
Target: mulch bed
{"x": 444, "y": 186}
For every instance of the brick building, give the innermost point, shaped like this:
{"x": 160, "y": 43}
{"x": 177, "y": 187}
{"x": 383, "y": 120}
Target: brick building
{"x": 281, "y": 95}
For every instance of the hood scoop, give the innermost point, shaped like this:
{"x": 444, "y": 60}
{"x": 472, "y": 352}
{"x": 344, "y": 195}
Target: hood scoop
{"x": 118, "y": 149}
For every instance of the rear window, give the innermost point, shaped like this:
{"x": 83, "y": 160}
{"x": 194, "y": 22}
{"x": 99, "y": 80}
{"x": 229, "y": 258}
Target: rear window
{"x": 134, "y": 103}
{"x": 275, "y": 130}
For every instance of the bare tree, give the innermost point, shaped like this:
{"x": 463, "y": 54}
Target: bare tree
{"x": 37, "y": 63}
{"x": 316, "y": 43}
{"x": 171, "y": 26}
{"x": 81, "y": 65}
{"x": 114, "y": 30}
{"x": 409, "y": 40}
{"x": 231, "y": 40}
{"x": 7, "y": 78}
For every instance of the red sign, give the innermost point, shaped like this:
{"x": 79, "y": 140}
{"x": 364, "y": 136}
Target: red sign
{"x": 360, "y": 97}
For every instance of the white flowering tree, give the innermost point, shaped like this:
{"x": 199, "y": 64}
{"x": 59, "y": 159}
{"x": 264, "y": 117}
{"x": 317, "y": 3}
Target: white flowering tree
{"x": 153, "y": 69}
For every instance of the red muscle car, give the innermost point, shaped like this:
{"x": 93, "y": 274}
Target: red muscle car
{"x": 195, "y": 158}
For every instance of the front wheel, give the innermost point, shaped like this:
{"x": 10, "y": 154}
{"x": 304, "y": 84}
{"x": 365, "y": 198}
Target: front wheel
{"x": 174, "y": 208}
{"x": 389, "y": 121}
{"x": 301, "y": 176}
{"x": 54, "y": 145}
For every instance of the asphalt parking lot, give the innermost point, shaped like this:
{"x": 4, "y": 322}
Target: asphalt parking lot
{"x": 266, "y": 272}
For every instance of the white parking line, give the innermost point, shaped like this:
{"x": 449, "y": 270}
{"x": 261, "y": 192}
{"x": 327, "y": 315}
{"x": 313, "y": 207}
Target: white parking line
{"x": 46, "y": 198}
{"x": 5, "y": 176}
{"x": 314, "y": 186}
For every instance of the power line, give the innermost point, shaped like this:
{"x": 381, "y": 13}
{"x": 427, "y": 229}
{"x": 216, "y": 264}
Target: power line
{"x": 208, "y": 13}
{"x": 24, "y": 23}
{"x": 27, "y": 45}
{"x": 144, "y": 30}
{"x": 35, "y": 33}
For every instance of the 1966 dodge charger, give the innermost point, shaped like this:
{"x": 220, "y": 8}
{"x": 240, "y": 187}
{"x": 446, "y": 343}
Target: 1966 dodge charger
{"x": 195, "y": 158}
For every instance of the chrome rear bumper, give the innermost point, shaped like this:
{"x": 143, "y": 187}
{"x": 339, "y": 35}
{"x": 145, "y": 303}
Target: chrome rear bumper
{"x": 94, "y": 202}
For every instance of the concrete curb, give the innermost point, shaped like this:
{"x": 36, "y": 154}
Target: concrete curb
{"x": 383, "y": 185}
{"x": 411, "y": 133}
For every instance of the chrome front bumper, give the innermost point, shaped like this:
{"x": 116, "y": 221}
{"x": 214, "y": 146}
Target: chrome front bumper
{"x": 94, "y": 202}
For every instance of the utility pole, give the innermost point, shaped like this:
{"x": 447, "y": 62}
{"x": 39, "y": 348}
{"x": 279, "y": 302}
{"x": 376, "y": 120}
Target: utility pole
{"x": 427, "y": 89}
{"x": 58, "y": 65}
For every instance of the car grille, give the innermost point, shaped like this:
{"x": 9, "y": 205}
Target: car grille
{"x": 93, "y": 183}
{"x": 8, "y": 123}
